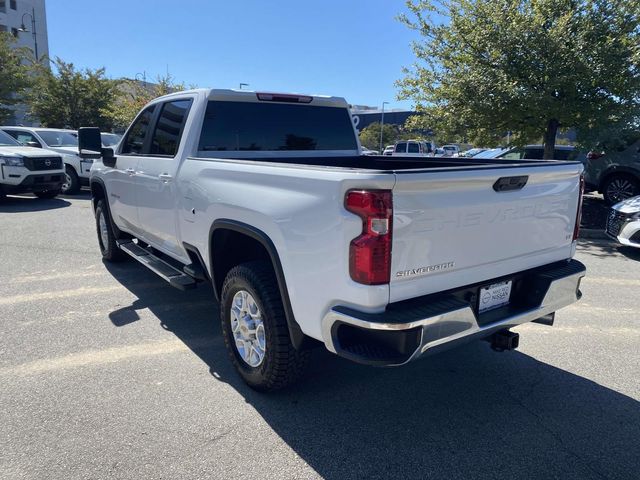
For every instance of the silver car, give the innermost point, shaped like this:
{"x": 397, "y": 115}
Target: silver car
{"x": 623, "y": 222}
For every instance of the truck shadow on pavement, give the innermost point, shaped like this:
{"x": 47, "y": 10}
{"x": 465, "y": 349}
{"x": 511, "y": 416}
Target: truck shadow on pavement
{"x": 19, "y": 204}
{"x": 607, "y": 248}
{"x": 466, "y": 413}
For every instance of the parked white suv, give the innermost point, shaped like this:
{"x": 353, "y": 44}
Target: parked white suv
{"x": 28, "y": 170}
{"x": 308, "y": 242}
{"x": 65, "y": 143}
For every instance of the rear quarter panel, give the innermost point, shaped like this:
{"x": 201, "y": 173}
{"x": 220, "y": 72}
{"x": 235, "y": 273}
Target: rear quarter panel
{"x": 300, "y": 209}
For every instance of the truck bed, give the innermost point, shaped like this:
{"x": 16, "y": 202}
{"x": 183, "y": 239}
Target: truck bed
{"x": 389, "y": 164}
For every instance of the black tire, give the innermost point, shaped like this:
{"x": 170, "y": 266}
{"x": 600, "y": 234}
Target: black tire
{"x": 72, "y": 182}
{"x": 48, "y": 195}
{"x": 3, "y": 196}
{"x": 619, "y": 187}
{"x": 108, "y": 247}
{"x": 282, "y": 364}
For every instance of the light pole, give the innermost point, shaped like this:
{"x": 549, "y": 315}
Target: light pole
{"x": 243, "y": 85}
{"x": 33, "y": 29}
{"x": 144, "y": 78}
{"x": 382, "y": 124}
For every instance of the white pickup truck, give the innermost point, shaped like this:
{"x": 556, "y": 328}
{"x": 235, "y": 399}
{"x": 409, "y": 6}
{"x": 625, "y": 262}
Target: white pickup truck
{"x": 306, "y": 241}
{"x": 28, "y": 170}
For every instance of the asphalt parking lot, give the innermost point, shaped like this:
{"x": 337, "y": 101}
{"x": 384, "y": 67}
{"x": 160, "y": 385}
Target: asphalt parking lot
{"x": 108, "y": 372}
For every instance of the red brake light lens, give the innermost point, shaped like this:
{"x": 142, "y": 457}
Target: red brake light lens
{"x": 576, "y": 228}
{"x": 282, "y": 97}
{"x": 370, "y": 252}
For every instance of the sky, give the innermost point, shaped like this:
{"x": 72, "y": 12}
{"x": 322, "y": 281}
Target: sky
{"x": 349, "y": 48}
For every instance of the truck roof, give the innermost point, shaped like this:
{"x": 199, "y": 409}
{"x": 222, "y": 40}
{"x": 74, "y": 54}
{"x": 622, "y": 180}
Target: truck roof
{"x": 232, "y": 95}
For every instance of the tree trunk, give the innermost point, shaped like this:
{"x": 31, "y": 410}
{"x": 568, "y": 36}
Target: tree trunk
{"x": 550, "y": 139}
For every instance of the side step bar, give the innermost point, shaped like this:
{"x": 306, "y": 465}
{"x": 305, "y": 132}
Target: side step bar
{"x": 175, "y": 277}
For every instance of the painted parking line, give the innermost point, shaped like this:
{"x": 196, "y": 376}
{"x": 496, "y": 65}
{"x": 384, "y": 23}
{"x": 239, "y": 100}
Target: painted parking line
{"x": 106, "y": 356}
{"x": 58, "y": 294}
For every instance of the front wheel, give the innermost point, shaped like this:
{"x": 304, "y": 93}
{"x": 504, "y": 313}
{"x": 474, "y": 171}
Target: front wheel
{"x": 255, "y": 329}
{"x": 71, "y": 183}
{"x": 106, "y": 238}
{"x": 617, "y": 188}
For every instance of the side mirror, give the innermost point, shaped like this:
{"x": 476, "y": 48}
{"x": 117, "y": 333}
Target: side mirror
{"x": 89, "y": 142}
{"x": 33, "y": 144}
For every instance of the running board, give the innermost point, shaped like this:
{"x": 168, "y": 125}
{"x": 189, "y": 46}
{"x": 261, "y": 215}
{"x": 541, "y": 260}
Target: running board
{"x": 175, "y": 277}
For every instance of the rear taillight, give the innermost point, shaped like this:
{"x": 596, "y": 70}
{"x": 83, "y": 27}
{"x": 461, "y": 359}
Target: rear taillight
{"x": 370, "y": 252}
{"x": 576, "y": 228}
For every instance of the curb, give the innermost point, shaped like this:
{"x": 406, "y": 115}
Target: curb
{"x": 593, "y": 233}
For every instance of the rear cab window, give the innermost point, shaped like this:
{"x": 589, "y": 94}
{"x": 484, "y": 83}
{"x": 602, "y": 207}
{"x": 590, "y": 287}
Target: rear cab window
{"x": 401, "y": 147}
{"x": 413, "y": 148}
{"x": 231, "y": 126}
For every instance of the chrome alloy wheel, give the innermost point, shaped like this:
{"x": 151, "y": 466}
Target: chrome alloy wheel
{"x": 104, "y": 233}
{"x": 67, "y": 182}
{"x": 248, "y": 329}
{"x": 620, "y": 189}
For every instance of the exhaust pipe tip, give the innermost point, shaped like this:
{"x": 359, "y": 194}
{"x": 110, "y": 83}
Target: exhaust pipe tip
{"x": 504, "y": 340}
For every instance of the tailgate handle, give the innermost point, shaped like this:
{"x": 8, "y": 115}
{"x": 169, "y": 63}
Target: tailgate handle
{"x": 505, "y": 184}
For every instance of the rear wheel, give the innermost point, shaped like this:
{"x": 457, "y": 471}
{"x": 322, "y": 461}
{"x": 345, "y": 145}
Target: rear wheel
{"x": 255, "y": 329}
{"x": 620, "y": 187}
{"x": 71, "y": 183}
{"x": 106, "y": 237}
{"x": 48, "y": 194}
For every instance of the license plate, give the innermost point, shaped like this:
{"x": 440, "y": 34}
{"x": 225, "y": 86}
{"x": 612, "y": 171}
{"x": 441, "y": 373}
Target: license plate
{"x": 494, "y": 296}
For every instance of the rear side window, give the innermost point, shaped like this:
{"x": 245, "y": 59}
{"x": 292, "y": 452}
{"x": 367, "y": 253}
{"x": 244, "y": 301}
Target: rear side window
{"x": 265, "y": 126}
{"x": 515, "y": 154}
{"x": 534, "y": 153}
{"x": 134, "y": 141}
{"x": 414, "y": 148}
{"x": 565, "y": 154}
{"x": 166, "y": 136}
{"x": 401, "y": 147}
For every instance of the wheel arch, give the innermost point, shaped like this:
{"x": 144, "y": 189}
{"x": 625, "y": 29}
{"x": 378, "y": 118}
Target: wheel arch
{"x": 99, "y": 192}
{"x": 616, "y": 170}
{"x": 255, "y": 245}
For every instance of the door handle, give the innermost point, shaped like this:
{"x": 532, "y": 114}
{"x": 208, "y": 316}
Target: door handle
{"x": 130, "y": 171}
{"x": 165, "y": 177}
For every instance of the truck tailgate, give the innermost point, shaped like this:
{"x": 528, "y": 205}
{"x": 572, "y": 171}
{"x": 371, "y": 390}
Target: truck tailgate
{"x": 452, "y": 228}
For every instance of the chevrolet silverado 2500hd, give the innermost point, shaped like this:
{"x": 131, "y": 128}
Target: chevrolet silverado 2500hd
{"x": 306, "y": 241}
{"x": 28, "y": 170}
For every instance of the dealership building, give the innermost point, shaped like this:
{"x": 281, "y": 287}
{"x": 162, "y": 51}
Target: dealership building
{"x": 26, "y": 21}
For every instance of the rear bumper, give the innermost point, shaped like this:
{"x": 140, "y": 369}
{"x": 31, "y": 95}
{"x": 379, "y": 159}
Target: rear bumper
{"x": 412, "y": 328}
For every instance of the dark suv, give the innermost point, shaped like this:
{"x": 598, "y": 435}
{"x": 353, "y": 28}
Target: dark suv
{"x": 616, "y": 173}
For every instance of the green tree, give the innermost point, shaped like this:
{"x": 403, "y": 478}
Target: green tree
{"x": 370, "y": 135}
{"x": 14, "y": 78}
{"x": 65, "y": 97}
{"x": 133, "y": 96}
{"x": 485, "y": 67}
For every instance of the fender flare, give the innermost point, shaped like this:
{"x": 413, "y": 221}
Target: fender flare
{"x": 100, "y": 182}
{"x": 295, "y": 332}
